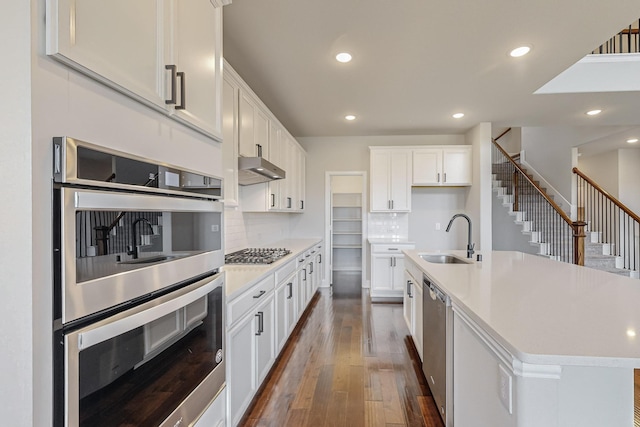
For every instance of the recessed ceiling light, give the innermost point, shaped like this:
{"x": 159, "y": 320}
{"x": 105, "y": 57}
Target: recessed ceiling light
{"x": 632, "y": 140}
{"x": 350, "y": 117}
{"x": 520, "y": 51}
{"x": 594, "y": 112}
{"x": 631, "y": 333}
{"x": 458, "y": 115}
{"x": 343, "y": 57}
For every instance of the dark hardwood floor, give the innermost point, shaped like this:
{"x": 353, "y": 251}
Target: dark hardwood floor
{"x": 349, "y": 363}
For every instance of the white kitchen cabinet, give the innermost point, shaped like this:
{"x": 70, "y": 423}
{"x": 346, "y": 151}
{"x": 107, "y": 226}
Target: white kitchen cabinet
{"x": 197, "y": 54}
{"x": 254, "y": 128}
{"x": 230, "y": 93}
{"x": 416, "y": 318}
{"x": 265, "y": 338}
{"x": 387, "y": 271}
{"x": 407, "y": 301}
{"x": 161, "y": 48}
{"x": 390, "y": 180}
{"x": 441, "y": 166}
{"x": 241, "y": 384}
{"x": 286, "y": 309}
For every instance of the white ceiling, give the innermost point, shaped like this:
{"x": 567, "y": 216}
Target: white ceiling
{"x": 416, "y": 62}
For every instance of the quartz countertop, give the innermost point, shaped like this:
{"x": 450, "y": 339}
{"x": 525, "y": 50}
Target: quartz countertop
{"x": 543, "y": 311}
{"x": 240, "y": 277}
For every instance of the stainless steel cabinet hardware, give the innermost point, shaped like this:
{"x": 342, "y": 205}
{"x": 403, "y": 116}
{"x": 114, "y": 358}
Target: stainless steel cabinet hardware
{"x": 260, "y": 294}
{"x": 259, "y": 148}
{"x": 444, "y": 177}
{"x": 438, "y": 176}
{"x": 311, "y": 266}
{"x": 289, "y": 202}
{"x": 273, "y": 200}
{"x": 173, "y": 70}
{"x": 320, "y": 259}
{"x": 392, "y": 249}
{"x": 183, "y": 95}
{"x": 260, "y": 316}
{"x": 290, "y": 285}
{"x": 301, "y": 204}
{"x": 409, "y": 289}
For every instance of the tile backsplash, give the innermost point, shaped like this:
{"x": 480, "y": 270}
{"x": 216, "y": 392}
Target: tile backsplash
{"x": 388, "y": 225}
{"x": 246, "y": 229}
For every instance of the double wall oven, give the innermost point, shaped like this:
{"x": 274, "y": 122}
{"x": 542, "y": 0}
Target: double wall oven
{"x": 138, "y": 292}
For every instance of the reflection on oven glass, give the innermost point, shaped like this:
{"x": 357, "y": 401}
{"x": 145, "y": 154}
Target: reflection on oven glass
{"x": 141, "y": 376}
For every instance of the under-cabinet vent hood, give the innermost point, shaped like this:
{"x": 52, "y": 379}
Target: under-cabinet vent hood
{"x": 254, "y": 170}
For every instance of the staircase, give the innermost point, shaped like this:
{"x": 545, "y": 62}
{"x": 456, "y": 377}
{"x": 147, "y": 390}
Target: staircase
{"x": 549, "y": 235}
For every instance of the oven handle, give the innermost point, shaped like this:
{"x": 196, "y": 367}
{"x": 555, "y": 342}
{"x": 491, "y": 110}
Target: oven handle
{"x": 102, "y": 333}
{"x": 111, "y": 200}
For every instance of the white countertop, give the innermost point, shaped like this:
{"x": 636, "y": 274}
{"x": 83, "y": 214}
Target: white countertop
{"x": 242, "y": 276}
{"x": 545, "y": 312}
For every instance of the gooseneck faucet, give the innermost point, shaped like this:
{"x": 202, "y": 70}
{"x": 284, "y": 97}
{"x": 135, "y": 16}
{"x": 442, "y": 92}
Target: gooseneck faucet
{"x": 470, "y": 245}
{"x": 133, "y": 248}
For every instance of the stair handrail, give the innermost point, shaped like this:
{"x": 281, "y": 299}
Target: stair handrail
{"x": 553, "y": 204}
{"x": 604, "y": 192}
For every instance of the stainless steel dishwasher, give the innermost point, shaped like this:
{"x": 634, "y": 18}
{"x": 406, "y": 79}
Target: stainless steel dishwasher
{"x": 437, "y": 330}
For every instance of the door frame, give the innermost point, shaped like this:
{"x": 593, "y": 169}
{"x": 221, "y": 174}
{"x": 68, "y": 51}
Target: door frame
{"x": 328, "y": 218}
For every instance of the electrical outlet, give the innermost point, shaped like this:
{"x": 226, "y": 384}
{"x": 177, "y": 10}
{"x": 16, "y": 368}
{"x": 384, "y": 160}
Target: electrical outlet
{"x": 437, "y": 226}
{"x": 215, "y": 228}
{"x": 505, "y": 386}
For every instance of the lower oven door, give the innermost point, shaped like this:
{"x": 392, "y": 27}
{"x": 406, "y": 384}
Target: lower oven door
{"x": 158, "y": 364}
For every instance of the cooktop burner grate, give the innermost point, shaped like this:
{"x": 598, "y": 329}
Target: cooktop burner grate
{"x": 256, "y": 256}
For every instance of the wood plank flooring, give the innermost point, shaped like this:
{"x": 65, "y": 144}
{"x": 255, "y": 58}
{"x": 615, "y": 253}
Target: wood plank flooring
{"x": 349, "y": 363}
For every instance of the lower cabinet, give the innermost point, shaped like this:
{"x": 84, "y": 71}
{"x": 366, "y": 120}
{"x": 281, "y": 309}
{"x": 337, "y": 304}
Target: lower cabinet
{"x": 387, "y": 271}
{"x": 252, "y": 342}
{"x": 412, "y": 309}
{"x": 286, "y": 309}
{"x": 259, "y": 322}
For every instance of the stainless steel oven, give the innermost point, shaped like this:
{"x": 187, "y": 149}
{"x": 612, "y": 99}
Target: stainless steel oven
{"x": 138, "y": 296}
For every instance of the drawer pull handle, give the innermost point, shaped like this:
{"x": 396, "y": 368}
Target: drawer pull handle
{"x": 392, "y": 249}
{"x": 260, "y": 317}
{"x": 260, "y": 294}
{"x": 290, "y": 284}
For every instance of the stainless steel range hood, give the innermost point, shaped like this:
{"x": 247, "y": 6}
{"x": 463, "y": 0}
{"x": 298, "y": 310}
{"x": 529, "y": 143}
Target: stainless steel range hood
{"x": 254, "y": 170}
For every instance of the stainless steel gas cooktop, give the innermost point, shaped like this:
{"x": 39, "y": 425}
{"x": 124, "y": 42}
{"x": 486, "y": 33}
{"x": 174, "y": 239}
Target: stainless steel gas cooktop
{"x": 256, "y": 256}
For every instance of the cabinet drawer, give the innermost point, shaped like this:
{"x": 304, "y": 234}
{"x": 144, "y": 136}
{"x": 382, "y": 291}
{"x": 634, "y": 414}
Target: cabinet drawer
{"x": 390, "y": 248}
{"x": 251, "y": 298}
{"x": 284, "y": 272}
{"x": 302, "y": 258}
{"x": 414, "y": 272}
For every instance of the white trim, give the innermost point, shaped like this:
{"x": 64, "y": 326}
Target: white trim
{"x": 527, "y": 370}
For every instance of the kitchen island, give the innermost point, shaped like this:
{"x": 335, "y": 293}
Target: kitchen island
{"x": 537, "y": 342}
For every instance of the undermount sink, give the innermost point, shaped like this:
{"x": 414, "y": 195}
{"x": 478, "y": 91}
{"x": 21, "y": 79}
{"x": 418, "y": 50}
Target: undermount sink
{"x": 443, "y": 259}
{"x": 148, "y": 260}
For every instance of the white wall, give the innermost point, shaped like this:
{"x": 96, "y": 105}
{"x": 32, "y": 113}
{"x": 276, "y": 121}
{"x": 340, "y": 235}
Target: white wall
{"x": 20, "y": 375}
{"x": 433, "y": 207}
{"x": 478, "y": 203}
{"x": 603, "y": 169}
{"x": 629, "y": 178}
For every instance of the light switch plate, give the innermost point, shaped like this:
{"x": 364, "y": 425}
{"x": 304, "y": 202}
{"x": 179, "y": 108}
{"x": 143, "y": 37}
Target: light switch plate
{"x": 505, "y": 388}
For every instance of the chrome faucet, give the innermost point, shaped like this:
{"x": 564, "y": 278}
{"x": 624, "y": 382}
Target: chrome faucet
{"x": 133, "y": 248}
{"x": 470, "y": 245}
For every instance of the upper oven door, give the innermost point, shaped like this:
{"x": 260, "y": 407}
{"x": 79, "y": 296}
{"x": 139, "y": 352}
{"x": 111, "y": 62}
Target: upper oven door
{"x": 118, "y": 246}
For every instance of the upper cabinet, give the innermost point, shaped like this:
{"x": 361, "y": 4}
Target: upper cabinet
{"x": 165, "y": 53}
{"x": 259, "y": 133}
{"x": 447, "y": 165}
{"x": 230, "y": 96}
{"x": 254, "y": 128}
{"x": 390, "y": 179}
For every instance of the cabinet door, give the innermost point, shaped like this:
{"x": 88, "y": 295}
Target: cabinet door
{"x": 380, "y": 173}
{"x": 381, "y": 273}
{"x": 281, "y": 312}
{"x": 265, "y": 338}
{"x": 427, "y": 166}
{"x": 302, "y": 286}
{"x": 261, "y": 124}
{"x": 292, "y": 303}
{"x": 416, "y": 319}
{"x": 114, "y": 42}
{"x": 457, "y": 166}
{"x": 301, "y": 181}
{"x": 400, "y": 180}
{"x": 230, "y": 142}
{"x": 246, "y": 109}
{"x": 407, "y": 301}
{"x": 241, "y": 384}
{"x": 275, "y": 157}
{"x": 197, "y": 52}
{"x": 398, "y": 273}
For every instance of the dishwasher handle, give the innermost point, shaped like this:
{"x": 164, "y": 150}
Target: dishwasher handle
{"x": 434, "y": 292}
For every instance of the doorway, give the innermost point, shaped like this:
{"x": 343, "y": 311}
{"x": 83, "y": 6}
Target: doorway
{"x": 346, "y": 231}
